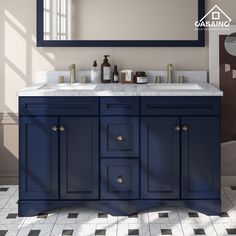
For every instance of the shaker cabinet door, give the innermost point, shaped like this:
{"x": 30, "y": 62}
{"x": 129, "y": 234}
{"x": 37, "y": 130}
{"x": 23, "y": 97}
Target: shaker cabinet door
{"x": 160, "y": 157}
{"x": 38, "y": 158}
{"x": 79, "y": 157}
{"x": 200, "y": 158}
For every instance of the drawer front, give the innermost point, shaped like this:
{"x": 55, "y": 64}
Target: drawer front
{"x": 119, "y": 179}
{"x": 120, "y": 106}
{"x": 180, "y": 106}
{"x": 56, "y": 106}
{"x": 119, "y": 136}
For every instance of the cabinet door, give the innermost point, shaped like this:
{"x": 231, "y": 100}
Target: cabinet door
{"x": 200, "y": 158}
{"x": 160, "y": 157}
{"x": 79, "y": 157}
{"x": 38, "y": 158}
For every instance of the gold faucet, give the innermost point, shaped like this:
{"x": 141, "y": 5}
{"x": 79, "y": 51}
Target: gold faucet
{"x": 170, "y": 69}
{"x": 72, "y": 70}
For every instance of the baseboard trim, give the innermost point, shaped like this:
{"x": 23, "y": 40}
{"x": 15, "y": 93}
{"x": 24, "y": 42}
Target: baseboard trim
{"x": 228, "y": 180}
{"x": 8, "y": 180}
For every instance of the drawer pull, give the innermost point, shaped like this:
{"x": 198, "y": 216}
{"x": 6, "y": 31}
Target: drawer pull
{"x": 120, "y": 138}
{"x": 54, "y": 128}
{"x": 177, "y": 128}
{"x": 185, "y": 128}
{"x": 120, "y": 180}
{"x": 62, "y": 128}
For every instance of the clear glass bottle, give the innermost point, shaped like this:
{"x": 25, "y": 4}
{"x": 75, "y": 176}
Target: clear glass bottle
{"x": 94, "y": 73}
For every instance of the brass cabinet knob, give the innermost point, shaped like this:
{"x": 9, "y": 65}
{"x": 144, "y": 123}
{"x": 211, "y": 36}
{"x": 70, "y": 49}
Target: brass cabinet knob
{"x": 61, "y": 128}
{"x": 54, "y": 128}
{"x": 177, "y": 128}
{"x": 120, "y": 180}
{"x": 120, "y": 138}
{"x": 185, "y": 128}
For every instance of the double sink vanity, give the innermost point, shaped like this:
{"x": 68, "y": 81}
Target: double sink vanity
{"x": 119, "y": 148}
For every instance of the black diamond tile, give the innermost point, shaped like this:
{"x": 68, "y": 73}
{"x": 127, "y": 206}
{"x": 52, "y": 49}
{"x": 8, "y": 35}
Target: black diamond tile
{"x": 72, "y": 215}
{"x": 102, "y": 215}
{"x": 100, "y": 232}
{"x": 193, "y": 214}
{"x": 42, "y": 216}
{"x": 233, "y": 187}
{"x": 134, "y": 215}
{"x": 133, "y": 232}
{"x": 12, "y": 216}
{"x": 166, "y": 232}
{"x": 3, "y": 189}
{"x": 199, "y": 231}
{"x": 67, "y": 232}
{"x": 34, "y": 232}
{"x": 231, "y": 231}
{"x": 224, "y": 214}
{"x": 3, "y": 232}
{"x": 163, "y": 215}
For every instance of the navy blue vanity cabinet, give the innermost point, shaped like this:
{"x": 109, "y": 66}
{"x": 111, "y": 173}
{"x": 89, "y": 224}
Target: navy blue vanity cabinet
{"x": 119, "y": 155}
{"x": 160, "y": 158}
{"x": 38, "y": 158}
{"x": 200, "y": 158}
{"x": 79, "y": 158}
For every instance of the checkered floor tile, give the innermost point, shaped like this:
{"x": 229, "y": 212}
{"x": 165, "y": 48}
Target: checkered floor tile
{"x": 78, "y": 221}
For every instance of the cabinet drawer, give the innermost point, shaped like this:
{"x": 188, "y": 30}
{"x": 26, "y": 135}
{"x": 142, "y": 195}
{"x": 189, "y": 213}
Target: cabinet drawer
{"x": 120, "y": 106}
{"x": 56, "y": 106}
{"x": 119, "y": 136}
{"x": 180, "y": 106}
{"x": 119, "y": 179}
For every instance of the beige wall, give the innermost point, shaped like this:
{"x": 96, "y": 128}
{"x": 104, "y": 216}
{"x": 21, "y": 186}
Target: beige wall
{"x": 19, "y": 59}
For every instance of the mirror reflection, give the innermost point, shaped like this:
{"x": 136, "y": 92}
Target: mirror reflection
{"x": 120, "y": 19}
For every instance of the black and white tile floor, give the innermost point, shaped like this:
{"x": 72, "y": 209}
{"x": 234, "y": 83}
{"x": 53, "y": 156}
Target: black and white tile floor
{"x": 84, "y": 222}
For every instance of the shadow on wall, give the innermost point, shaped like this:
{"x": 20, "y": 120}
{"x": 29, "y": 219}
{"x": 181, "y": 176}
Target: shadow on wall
{"x": 8, "y": 149}
{"x": 18, "y": 58}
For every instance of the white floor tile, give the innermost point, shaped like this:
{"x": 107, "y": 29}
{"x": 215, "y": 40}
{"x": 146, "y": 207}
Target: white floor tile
{"x": 154, "y": 217}
{"x": 176, "y": 229}
{"x": 5, "y": 220}
{"x": 45, "y": 229}
{"x": 141, "y": 219}
{"x": 189, "y": 229}
{"x": 12, "y": 230}
{"x": 123, "y": 229}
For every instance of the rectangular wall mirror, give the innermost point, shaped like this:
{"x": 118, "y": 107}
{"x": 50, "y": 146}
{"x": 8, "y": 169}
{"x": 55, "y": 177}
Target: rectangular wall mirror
{"x": 119, "y": 23}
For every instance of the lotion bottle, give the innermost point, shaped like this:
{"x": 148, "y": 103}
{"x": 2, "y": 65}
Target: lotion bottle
{"x": 94, "y": 73}
{"x": 106, "y": 70}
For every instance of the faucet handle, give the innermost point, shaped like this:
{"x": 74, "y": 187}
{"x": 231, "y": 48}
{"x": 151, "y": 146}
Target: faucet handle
{"x": 170, "y": 67}
{"x": 72, "y": 66}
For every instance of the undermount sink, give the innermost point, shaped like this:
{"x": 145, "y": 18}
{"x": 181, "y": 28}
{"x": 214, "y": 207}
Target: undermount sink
{"x": 175, "y": 86}
{"x": 74, "y": 86}
{"x": 121, "y": 87}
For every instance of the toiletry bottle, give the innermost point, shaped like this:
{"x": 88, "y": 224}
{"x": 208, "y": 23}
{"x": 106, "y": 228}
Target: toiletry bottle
{"x": 106, "y": 70}
{"x": 94, "y": 73}
{"x": 115, "y": 75}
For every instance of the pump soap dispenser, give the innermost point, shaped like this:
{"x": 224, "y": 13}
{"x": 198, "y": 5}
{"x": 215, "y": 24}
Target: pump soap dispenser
{"x": 106, "y": 70}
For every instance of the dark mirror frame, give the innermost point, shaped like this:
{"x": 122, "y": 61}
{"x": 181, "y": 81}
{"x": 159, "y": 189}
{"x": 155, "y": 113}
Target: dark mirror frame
{"x": 200, "y": 42}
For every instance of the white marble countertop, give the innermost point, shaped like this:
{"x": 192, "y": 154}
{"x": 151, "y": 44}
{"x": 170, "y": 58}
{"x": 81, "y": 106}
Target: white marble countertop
{"x": 77, "y": 89}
